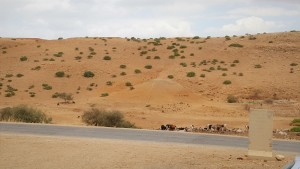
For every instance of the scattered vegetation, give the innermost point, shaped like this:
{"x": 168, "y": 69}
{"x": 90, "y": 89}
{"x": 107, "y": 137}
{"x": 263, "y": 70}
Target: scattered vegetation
{"x": 232, "y": 99}
{"x": 190, "y": 74}
{"x": 65, "y": 96}
{"x": 97, "y": 117}
{"x": 60, "y": 74}
{"x": 202, "y": 75}
{"x": 25, "y": 114}
{"x": 170, "y": 76}
{"x": 227, "y": 82}
{"x": 47, "y": 87}
{"x": 295, "y": 122}
{"x": 236, "y": 45}
{"x": 59, "y": 54}
{"x": 123, "y": 66}
{"x": 148, "y": 66}
{"x": 295, "y": 129}
{"x": 106, "y": 58}
{"x": 137, "y": 71}
{"x": 258, "y": 66}
{"x": 104, "y": 94}
{"x": 88, "y": 74}
{"x": 23, "y": 58}
{"x": 293, "y": 64}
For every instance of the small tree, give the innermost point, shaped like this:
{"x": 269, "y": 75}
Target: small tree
{"x": 65, "y": 96}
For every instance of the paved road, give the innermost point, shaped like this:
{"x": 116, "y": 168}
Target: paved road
{"x": 140, "y": 135}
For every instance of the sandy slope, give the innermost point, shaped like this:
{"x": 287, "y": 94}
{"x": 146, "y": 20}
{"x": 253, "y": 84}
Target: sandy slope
{"x": 25, "y": 151}
{"x": 155, "y": 99}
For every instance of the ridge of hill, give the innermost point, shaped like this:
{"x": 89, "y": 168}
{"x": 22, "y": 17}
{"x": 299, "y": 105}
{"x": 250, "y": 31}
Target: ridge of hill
{"x": 156, "y": 81}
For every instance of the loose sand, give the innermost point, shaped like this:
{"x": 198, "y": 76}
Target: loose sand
{"x": 43, "y": 152}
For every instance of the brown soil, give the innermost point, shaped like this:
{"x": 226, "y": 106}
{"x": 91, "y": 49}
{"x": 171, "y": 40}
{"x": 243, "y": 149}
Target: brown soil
{"x": 155, "y": 99}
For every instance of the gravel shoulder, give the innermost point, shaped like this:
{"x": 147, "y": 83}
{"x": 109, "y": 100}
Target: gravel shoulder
{"x": 31, "y": 151}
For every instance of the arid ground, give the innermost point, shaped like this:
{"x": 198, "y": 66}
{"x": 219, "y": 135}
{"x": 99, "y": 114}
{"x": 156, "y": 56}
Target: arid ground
{"x": 265, "y": 73}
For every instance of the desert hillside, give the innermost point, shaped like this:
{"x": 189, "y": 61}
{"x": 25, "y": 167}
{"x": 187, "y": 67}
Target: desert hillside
{"x": 156, "y": 81}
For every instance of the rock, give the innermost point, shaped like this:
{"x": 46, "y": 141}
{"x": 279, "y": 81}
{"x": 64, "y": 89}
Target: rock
{"x": 282, "y": 133}
{"x": 279, "y": 157}
{"x": 239, "y": 130}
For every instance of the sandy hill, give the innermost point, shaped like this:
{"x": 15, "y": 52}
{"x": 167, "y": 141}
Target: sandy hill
{"x": 147, "y": 79}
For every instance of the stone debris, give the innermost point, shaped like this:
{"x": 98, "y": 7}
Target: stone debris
{"x": 279, "y": 157}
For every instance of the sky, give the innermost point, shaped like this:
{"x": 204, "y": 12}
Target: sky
{"x": 50, "y": 19}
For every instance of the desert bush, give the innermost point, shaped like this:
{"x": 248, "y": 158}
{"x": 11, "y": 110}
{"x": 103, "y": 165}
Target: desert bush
{"x": 232, "y": 65}
{"x": 170, "y": 76}
{"x": 148, "y": 57}
{"x": 190, "y": 74}
{"x": 156, "y": 57}
{"x": 106, "y": 58}
{"x": 235, "y": 45}
{"x": 59, "y": 54}
{"x": 109, "y": 83}
{"x": 224, "y": 74}
{"x": 60, "y": 74}
{"x": 227, "y": 82}
{"x": 183, "y": 64}
{"x": 60, "y": 38}
{"x": 295, "y": 122}
{"x": 19, "y": 75}
{"x": 293, "y": 64}
{"x": 295, "y": 129}
{"x": 258, "y": 66}
{"x": 122, "y": 66}
{"x": 137, "y": 71}
{"x": 183, "y": 47}
{"x": 47, "y": 87}
{"x": 123, "y": 73}
{"x": 104, "y": 94}
{"x": 227, "y": 37}
{"x": 23, "y": 58}
{"x": 97, "y": 117}
{"x": 36, "y": 68}
{"x": 9, "y": 75}
{"x": 202, "y": 75}
{"x": 78, "y": 57}
{"x": 148, "y": 66}
{"x": 232, "y": 99}
{"x": 25, "y": 114}
{"x": 196, "y": 37}
{"x": 88, "y": 74}
{"x": 171, "y": 57}
{"x": 128, "y": 84}
{"x": 65, "y": 96}
{"x": 236, "y": 61}
{"x": 241, "y": 74}
{"x": 270, "y": 41}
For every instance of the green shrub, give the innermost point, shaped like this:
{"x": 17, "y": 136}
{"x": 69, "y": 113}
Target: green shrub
{"x": 104, "y": 94}
{"x": 232, "y": 99}
{"x": 252, "y": 38}
{"x": 183, "y": 64}
{"x": 148, "y": 66}
{"x": 106, "y": 58}
{"x": 295, "y": 129}
{"x": 122, "y": 66}
{"x": 227, "y": 37}
{"x": 98, "y": 117}
{"x": 137, "y": 71}
{"x": 47, "y": 87}
{"x": 295, "y": 122}
{"x": 23, "y": 58}
{"x": 59, "y": 54}
{"x": 183, "y": 47}
{"x": 258, "y": 66}
{"x": 235, "y": 45}
{"x": 60, "y": 74}
{"x": 227, "y": 82}
{"x": 88, "y": 74}
{"x": 190, "y": 74}
{"x": 23, "y": 113}
{"x": 109, "y": 83}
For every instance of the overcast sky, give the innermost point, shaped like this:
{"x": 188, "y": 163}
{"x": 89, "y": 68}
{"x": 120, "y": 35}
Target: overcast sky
{"x": 51, "y": 19}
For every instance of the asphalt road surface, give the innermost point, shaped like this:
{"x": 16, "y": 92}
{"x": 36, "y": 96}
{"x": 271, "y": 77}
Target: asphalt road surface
{"x": 140, "y": 135}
